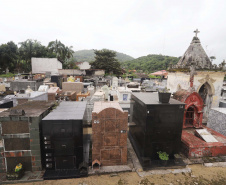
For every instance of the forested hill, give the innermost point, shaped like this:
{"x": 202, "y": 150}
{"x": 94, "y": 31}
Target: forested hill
{"x": 88, "y": 55}
{"x": 150, "y": 63}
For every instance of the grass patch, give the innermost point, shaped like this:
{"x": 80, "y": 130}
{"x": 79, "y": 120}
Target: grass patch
{"x": 8, "y": 75}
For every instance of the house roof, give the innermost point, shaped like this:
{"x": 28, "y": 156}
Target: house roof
{"x": 160, "y": 73}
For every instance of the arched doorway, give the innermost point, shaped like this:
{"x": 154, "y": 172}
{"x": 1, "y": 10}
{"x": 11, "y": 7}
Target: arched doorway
{"x": 205, "y": 92}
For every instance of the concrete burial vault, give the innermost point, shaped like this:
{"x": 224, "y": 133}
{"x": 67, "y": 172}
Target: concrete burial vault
{"x": 109, "y": 124}
{"x": 20, "y": 134}
{"x": 198, "y": 140}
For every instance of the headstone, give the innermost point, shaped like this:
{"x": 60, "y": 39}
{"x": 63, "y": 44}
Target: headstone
{"x": 105, "y": 89}
{"x": 43, "y": 88}
{"x": 2, "y": 88}
{"x": 127, "y": 80}
{"x": 114, "y": 83}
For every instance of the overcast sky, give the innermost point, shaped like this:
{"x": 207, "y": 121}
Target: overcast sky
{"x": 134, "y": 27}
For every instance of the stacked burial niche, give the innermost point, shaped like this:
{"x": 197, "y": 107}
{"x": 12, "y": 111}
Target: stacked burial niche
{"x": 62, "y": 141}
{"x": 20, "y": 136}
{"x": 109, "y": 134}
{"x": 155, "y": 127}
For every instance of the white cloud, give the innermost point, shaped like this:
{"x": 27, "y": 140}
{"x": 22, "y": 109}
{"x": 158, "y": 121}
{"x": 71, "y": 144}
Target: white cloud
{"x": 135, "y": 27}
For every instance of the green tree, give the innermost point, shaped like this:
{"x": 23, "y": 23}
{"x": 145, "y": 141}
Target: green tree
{"x": 150, "y": 63}
{"x": 31, "y": 48}
{"x": 8, "y": 56}
{"x": 70, "y": 64}
{"x": 67, "y": 53}
{"x": 212, "y": 58}
{"x": 56, "y": 47}
{"x": 63, "y": 53}
{"x": 105, "y": 59}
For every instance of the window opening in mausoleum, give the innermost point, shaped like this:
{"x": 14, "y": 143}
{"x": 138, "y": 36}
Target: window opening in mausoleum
{"x": 190, "y": 116}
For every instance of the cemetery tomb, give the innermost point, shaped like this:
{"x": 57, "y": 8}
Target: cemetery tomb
{"x": 57, "y": 79}
{"x": 105, "y": 89}
{"x": 20, "y": 135}
{"x": 193, "y": 108}
{"x": 79, "y": 78}
{"x": 52, "y": 92}
{"x": 43, "y": 88}
{"x": 81, "y": 96}
{"x": 195, "y": 145}
{"x": 197, "y": 139}
{"x": 7, "y": 101}
{"x": 156, "y": 127}
{"x": 109, "y": 134}
{"x": 133, "y": 86}
{"x": 70, "y": 79}
{"x": 24, "y": 83}
{"x": 73, "y": 86}
{"x": 22, "y": 97}
{"x": 2, "y": 88}
{"x": 217, "y": 120}
{"x": 124, "y": 97}
{"x": 62, "y": 141}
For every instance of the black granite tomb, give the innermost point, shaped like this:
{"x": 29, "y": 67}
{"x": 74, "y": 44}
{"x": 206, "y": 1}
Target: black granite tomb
{"x": 155, "y": 127}
{"x": 6, "y": 103}
{"x": 62, "y": 140}
{"x": 58, "y": 80}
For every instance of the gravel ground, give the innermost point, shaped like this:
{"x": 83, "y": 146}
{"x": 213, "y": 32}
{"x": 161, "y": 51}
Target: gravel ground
{"x": 200, "y": 176}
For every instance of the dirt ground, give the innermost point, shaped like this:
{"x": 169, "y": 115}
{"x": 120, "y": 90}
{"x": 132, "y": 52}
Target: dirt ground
{"x": 200, "y": 176}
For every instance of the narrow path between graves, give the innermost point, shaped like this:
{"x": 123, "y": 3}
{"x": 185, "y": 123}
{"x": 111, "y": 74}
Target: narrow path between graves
{"x": 199, "y": 175}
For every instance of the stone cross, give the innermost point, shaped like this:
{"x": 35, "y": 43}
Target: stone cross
{"x": 196, "y": 32}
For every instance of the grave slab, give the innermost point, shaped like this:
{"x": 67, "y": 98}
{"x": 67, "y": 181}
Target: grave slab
{"x": 195, "y": 147}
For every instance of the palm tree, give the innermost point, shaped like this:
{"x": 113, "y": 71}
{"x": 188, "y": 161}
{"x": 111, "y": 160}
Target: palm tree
{"x": 56, "y": 47}
{"x": 67, "y": 52}
{"x": 63, "y": 53}
{"x": 31, "y": 48}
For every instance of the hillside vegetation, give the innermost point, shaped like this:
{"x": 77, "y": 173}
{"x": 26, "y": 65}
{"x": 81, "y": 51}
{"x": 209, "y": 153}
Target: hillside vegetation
{"x": 150, "y": 63}
{"x": 88, "y": 55}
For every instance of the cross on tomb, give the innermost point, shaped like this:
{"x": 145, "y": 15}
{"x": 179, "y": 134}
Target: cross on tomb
{"x": 196, "y": 32}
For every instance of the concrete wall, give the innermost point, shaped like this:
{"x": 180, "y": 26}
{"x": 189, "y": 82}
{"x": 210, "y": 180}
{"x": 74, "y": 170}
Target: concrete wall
{"x": 217, "y": 120}
{"x": 99, "y": 73}
{"x": 71, "y": 72}
{"x": 22, "y": 85}
{"x": 42, "y": 65}
{"x": 34, "y": 96}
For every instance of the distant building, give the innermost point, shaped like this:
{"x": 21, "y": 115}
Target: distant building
{"x": 83, "y": 65}
{"x": 161, "y": 73}
{"x": 43, "y": 65}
